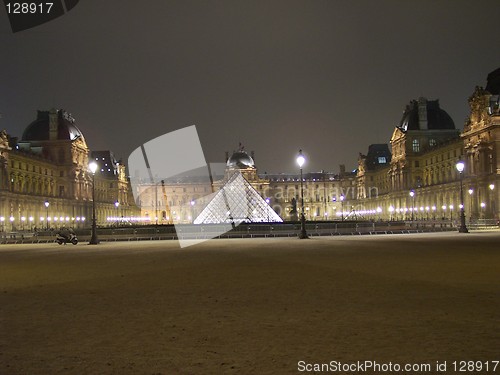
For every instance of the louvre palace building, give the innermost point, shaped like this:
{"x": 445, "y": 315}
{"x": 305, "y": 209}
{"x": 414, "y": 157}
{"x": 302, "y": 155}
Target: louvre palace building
{"x": 182, "y": 199}
{"x": 419, "y": 178}
{"x": 414, "y": 176}
{"x": 45, "y": 180}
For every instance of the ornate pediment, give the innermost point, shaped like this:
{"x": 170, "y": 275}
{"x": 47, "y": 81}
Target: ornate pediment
{"x": 479, "y": 108}
{"x": 397, "y": 134}
{"x": 4, "y": 141}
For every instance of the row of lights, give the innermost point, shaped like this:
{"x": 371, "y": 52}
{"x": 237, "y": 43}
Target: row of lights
{"x": 427, "y": 208}
{"x": 460, "y": 165}
{"x": 129, "y": 218}
{"x": 48, "y": 218}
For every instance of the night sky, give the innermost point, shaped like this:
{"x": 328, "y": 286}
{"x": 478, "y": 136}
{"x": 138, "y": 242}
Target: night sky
{"x": 330, "y": 77}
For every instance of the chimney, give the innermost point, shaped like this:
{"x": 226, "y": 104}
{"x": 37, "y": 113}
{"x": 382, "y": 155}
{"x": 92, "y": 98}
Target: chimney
{"x": 227, "y": 156}
{"x": 342, "y": 169}
{"x": 422, "y": 113}
{"x": 252, "y": 154}
{"x": 53, "y": 122}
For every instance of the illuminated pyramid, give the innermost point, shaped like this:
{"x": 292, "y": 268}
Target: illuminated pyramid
{"x": 237, "y": 202}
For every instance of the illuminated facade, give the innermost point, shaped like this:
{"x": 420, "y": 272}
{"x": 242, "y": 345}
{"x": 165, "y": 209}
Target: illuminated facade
{"x": 425, "y": 149}
{"x": 421, "y": 158}
{"x": 45, "y": 182}
{"x": 183, "y": 199}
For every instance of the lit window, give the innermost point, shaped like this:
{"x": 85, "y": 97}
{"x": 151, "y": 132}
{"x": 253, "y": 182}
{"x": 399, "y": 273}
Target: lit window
{"x": 382, "y": 160}
{"x": 416, "y": 145}
{"x": 432, "y": 142}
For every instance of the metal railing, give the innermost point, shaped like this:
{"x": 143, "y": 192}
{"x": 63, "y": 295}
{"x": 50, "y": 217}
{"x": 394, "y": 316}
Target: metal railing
{"x": 289, "y": 229}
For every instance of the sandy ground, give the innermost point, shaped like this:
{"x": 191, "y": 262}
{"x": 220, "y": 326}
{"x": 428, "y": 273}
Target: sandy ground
{"x": 253, "y": 306}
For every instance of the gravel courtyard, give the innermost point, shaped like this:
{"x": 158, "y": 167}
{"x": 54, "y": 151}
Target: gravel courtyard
{"x": 252, "y": 306}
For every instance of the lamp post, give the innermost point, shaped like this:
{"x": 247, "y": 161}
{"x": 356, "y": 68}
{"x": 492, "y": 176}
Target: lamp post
{"x": 156, "y": 204}
{"x": 460, "y": 168}
{"x": 391, "y": 211}
{"x": 412, "y": 195}
{"x": 303, "y": 234}
{"x": 268, "y": 200}
{"x": 47, "y": 213}
{"x": 117, "y": 204}
{"x": 493, "y": 206}
{"x": 93, "y": 239}
{"x": 471, "y": 191}
{"x": 191, "y": 218}
{"x": 342, "y": 207}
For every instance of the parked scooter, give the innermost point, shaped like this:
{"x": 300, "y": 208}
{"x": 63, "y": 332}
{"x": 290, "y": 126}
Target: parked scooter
{"x": 65, "y": 236}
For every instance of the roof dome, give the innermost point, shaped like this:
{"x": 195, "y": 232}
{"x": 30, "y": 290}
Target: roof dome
{"x": 425, "y": 115}
{"x": 240, "y": 159}
{"x": 38, "y": 130}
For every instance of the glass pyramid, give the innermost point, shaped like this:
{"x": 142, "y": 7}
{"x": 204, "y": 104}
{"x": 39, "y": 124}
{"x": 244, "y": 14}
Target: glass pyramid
{"x": 237, "y": 202}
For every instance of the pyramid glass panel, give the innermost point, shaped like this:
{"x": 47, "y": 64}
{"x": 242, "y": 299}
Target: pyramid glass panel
{"x": 236, "y": 202}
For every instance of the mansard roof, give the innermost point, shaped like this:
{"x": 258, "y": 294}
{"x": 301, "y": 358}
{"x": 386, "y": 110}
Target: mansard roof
{"x": 423, "y": 114}
{"x": 38, "y": 130}
{"x": 493, "y": 82}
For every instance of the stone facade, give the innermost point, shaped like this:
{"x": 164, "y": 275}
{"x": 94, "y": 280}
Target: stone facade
{"x": 424, "y": 162}
{"x": 424, "y": 150}
{"x": 182, "y": 199}
{"x": 50, "y": 165}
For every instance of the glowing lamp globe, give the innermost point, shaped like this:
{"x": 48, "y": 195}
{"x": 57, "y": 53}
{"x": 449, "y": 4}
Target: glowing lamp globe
{"x": 93, "y": 167}
{"x": 301, "y": 159}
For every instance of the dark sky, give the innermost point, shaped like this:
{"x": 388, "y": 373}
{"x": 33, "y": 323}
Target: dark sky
{"x": 330, "y": 77}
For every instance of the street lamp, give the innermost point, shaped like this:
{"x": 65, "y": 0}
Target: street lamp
{"x": 268, "y": 200}
{"x": 93, "y": 239}
{"x": 471, "y": 191}
{"x": 117, "y": 204}
{"x": 493, "y": 206}
{"x": 460, "y": 168}
{"x": 412, "y": 195}
{"x": 342, "y": 207}
{"x": 300, "y": 161}
{"x": 47, "y": 213}
{"x": 192, "y": 210}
